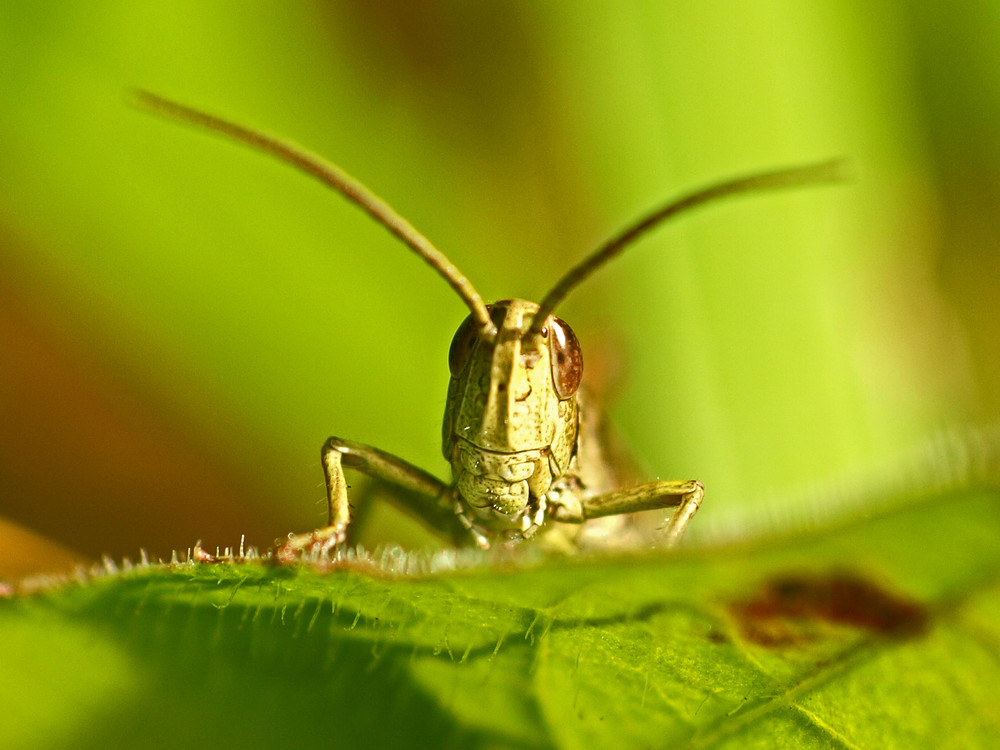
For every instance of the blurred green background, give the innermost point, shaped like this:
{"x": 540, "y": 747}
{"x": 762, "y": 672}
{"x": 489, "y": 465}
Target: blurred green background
{"x": 183, "y": 322}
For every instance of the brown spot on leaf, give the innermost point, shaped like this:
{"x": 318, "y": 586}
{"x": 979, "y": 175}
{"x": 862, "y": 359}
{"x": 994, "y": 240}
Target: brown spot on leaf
{"x": 791, "y": 609}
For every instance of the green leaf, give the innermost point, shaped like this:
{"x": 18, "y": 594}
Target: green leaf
{"x": 880, "y": 633}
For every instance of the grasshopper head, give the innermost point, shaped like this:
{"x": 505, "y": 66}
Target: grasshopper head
{"x": 510, "y": 423}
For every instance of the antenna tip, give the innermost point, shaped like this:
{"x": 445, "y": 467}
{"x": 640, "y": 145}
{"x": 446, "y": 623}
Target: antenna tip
{"x": 139, "y": 97}
{"x": 834, "y": 170}
{"x": 144, "y": 99}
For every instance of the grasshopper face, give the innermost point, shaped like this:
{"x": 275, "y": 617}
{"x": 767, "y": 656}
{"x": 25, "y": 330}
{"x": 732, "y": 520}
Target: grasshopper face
{"x": 510, "y": 424}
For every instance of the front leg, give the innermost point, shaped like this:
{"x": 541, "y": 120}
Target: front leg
{"x": 685, "y": 496}
{"x": 414, "y": 490}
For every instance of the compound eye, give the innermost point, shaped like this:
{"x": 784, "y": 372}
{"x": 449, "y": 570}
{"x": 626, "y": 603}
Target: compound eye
{"x": 567, "y": 359}
{"x": 461, "y": 346}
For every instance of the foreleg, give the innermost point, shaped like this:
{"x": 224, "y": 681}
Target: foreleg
{"x": 684, "y": 496}
{"x": 415, "y": 490}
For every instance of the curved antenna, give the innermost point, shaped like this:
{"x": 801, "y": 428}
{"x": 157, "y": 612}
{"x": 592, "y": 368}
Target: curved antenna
{"x": 829, "y": 171}
{"x": 343, "y": 183}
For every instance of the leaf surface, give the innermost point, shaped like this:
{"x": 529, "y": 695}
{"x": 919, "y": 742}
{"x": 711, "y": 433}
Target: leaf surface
{"x": 881, "y": 633}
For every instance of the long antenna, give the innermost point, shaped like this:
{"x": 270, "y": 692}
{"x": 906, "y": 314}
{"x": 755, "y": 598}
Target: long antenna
{"x": 343, "y": 183}
{"x": 829, "y": 171}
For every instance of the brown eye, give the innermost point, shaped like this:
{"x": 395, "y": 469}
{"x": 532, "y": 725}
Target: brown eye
{"x": 461, "y": 346}
{"x": 498, "y": 312}
{"x": 567, "y": 359}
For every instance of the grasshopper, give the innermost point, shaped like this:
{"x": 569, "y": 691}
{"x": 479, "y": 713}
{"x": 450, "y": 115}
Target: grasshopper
{"x": 524, "y": 447}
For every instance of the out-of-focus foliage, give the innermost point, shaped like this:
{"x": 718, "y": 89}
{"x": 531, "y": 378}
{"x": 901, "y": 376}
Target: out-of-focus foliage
{"x": 183, "y": 322}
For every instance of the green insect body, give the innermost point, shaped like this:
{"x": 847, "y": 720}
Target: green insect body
{"x": 523, "y": 443}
